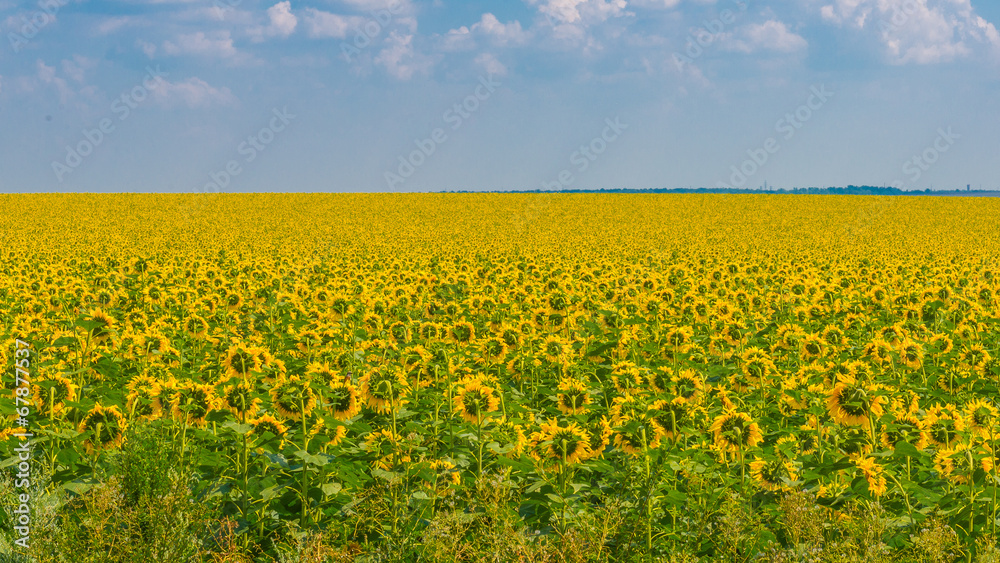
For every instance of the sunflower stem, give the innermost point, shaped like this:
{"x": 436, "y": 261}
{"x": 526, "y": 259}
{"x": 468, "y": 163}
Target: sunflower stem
{"x": 305, "y": 470}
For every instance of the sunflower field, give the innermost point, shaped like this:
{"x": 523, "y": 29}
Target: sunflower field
{"x": 499, "y": 377}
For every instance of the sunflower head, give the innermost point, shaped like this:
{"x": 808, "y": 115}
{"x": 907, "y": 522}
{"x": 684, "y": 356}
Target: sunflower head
{"x": 384, "y": 389}
{"x": 193, "y": 402}
{"x": 103, "y": 427}
{"x": 474, "y": 401}
{"x": 736, "y": 431}
{"x": 241, "y": 360}
{"x": 344, "y": 399}
{"x": 775, "y": 474}
{"x": 852, "y": 403}
{"x": 268, "y": 424}
{"x": 293, "y": 397}
{"x": 573, "y": 396}
{"x": 239, "y": 399}
{"x": 556, "y": 447}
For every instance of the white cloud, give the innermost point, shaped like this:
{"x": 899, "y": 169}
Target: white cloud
{"x": 320, "y": 24}
{"x": 77, "y": 68}
{"x": 147, "y": 48}
{"x": 193, "y": 93}
{"x": 47, "y": 75}
{"x": 281, "y": 23}
{"x": 399, "y": 58}
{"x": 501, "y": 33}
{"x": 396, "y": 6}
{"x": 489, "y": 28}
{"x": 771, "y": 35}
{"x": 662, "y": 4}
{"x": 917, "y": 31}
{"x": 491, "y": 65}
{"x": 112, "y": 25}
{"x": 218, "y": 44}
{"x": 580, "y": 11}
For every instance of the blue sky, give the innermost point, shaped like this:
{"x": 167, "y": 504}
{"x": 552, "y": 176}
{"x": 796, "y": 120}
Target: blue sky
{"x": 415, "y": 95}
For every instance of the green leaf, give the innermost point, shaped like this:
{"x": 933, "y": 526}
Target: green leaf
{"x": 78, "y": 487}
{"x": 237, "y": 427}
{"x": 64, "y": 341}
{"x": 331, "y": 489}
{"x": 311, "y": 459}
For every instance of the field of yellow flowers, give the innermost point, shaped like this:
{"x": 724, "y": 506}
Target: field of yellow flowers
{"x": 519, "y": 377}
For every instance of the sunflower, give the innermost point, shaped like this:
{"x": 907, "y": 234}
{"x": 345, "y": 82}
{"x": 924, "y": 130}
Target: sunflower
{"x": 241, "y": 360}
{"x": 735, "y": 431}
{"x": 600, "y": 432}
{"x": 161, "y": 404}
{"x": 193, "y": 402}
{"x": 879, "y": 351}
{"x": 687, "y": 385}
{"x": 626, "y": 377}
{"x": 633, "y": 436}
{"x": 556, "y": 349}
{"x": 239, "y": 399}
{"x": 344, "y": 399}
{"x": 981, "y": 417}
{"x": 626, "y": 407}
{"x": 104, "y": 428}
{"x": 509, "y": 437}
{"x": 940, "y": 344}
{"x": 833, "y": 336}
{"x": 292, "y": 397}
{"x": 957, "y": 463}
{"x": 462, "y": 332}
{"x": 196, "y": 326}
{"x": 852, "y": 403}
{"x": 554, "y": 445}
{"x": 51, "y": 399}
{"x": 679, "y": 339}
{"x": 142, "y": 393}
{"x": 908, "y": 429}
{"x": 667, "y": 417}
{"x": 812, "y": 347}
{"x": 756, "y": 364}
{"x": 268, "y": 424}
{"x": 431, "y": 332}
{"x": 493, "y": 347}
{"x": 573, "y": 397}
{"x": 975, "y": 357}
{"x": 911, "y": 354}
{"x": 103, "y": 326}
{"x": 774, "y": 475}
{"x": 474, "y": 401}
{"x": 384, "y": 389}
{"x": 943, "y": 424}
{"x": 873, "y": 473}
